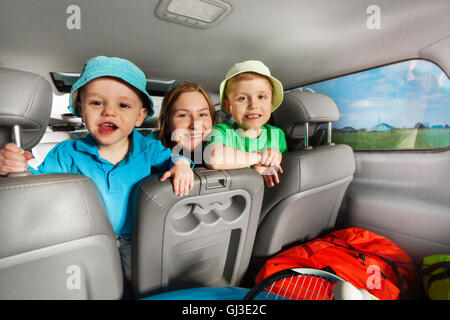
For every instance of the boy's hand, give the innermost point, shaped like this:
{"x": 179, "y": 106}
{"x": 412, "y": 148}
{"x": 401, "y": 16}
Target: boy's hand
{"x": 270, "y": 174}
{"x": 13, "y": 159}
{"x": 271, "y": 157}
{"x": 182, "y": 177}
{"x": 269, "y": 166}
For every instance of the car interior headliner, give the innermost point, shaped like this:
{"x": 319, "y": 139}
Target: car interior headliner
{"x": 302, "y": 41}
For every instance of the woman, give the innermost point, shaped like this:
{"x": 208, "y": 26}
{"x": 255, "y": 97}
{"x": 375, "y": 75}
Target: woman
{"x": 186, "y": 117}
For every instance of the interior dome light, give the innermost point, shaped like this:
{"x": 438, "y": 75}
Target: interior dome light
{"x": 194, "y": 13}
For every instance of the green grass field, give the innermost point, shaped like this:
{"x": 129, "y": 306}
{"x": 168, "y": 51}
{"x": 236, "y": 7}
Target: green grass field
{"x": 396, "y": 139}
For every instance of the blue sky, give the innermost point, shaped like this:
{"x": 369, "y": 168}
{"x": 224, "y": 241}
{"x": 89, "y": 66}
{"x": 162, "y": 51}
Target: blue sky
{"x": 400, "y": 95}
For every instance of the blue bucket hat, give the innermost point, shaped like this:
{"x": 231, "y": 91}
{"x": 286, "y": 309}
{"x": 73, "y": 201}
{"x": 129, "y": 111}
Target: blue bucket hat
{"x": 102, "y": 66}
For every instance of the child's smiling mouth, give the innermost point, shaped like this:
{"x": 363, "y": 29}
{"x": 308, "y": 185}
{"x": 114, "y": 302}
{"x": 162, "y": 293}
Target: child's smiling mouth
{"x": 252, "y": 116}
{"x": 107, "y": 127}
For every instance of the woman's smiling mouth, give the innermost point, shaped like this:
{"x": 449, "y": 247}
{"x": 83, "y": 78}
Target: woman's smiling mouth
{"x": 196, "y": 135}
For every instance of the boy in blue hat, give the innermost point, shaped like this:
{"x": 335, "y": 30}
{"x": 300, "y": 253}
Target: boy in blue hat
{"x": 111, "y": 98}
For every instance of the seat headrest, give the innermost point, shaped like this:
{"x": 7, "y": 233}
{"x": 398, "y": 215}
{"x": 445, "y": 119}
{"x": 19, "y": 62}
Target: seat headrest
{"x": 301, "y": 107}
{"x": 26, "y": 100}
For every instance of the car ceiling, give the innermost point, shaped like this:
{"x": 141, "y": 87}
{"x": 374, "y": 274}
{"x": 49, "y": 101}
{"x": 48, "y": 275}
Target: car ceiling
{"x": 302, "y": 41}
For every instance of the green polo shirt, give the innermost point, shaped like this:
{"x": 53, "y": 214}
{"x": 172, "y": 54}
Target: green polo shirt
{"x": 231, "y": 135}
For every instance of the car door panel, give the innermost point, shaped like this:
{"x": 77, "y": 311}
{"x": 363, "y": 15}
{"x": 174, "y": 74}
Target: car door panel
{"x": 404, "y": 196}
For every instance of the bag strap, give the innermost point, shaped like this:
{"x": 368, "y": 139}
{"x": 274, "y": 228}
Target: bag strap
{"x": 386, "y": 258}
{"x": 436, "y": 277}
{"x": 392, "y": 263}
{"x": 342, "y": 243}
{"x": 427, "y": 271}
{"x": 430, "y": 269}
{"x": 296, "y": 261}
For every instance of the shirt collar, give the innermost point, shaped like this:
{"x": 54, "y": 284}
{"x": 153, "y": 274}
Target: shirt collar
{"x": 139, "y": 144}
{"x": 87, "y": 145}
{"x": 238, "y": 130}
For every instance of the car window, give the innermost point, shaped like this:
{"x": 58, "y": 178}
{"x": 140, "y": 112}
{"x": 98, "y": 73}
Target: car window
{"x": 402, "y": 106}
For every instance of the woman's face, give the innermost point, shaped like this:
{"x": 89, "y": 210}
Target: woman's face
{"x": 190, "y": 120}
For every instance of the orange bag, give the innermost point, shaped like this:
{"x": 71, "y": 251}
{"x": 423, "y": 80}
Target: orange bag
{"x": 365, "y": 259}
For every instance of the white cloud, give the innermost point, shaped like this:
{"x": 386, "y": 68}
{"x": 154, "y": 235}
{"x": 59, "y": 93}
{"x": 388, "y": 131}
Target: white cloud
{"x": 383, "y": 87}
{"x": 361, "y": 104}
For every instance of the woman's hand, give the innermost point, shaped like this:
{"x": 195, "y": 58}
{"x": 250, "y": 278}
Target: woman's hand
{"x": 182, "y": 177}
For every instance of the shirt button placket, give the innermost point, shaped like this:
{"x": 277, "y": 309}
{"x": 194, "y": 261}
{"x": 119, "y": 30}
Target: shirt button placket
{"x": 113, "y": 181}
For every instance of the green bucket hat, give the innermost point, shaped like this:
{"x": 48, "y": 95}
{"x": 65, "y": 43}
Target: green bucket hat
{"x": 255, "y": 66}
{"x": 102, "y": 66}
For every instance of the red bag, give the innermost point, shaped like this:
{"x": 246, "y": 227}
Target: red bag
{"x": 365, "y": 259}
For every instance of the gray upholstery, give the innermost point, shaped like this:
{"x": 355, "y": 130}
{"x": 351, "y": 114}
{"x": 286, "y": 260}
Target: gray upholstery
{"x": 51, "y": 225}
{"x": 403, "y": 196}
{"x": 203, "y": 239}
{"x": 306, "y": 201}
{"x": 56, "y": 241}
{"x": 26, "y": 100}
{"x": 301, "y": 107}
{"x": 310, "y": 169}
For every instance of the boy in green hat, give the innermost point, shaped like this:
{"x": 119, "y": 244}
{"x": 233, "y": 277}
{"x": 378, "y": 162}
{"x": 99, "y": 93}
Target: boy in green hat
{"x": 249, "y": 94}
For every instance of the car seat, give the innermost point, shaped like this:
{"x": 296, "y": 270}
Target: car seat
{"x": 56, "y": 240}
{"x": 306, "y": 201}
{"x": 203, "y": 239}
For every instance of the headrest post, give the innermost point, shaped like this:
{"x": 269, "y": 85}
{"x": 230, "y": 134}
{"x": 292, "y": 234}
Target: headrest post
{"x": 15, "y": 132}
{"x": 307, "y": 146}
{"x": 329, "y": 131}
{"x": 301, "y": 109}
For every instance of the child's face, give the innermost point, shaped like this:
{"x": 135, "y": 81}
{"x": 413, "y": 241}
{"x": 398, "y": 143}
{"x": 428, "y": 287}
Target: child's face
{"x": 111, "y": 109}
{"x": 191, "y": 118}
{"x": 249, "y": 102}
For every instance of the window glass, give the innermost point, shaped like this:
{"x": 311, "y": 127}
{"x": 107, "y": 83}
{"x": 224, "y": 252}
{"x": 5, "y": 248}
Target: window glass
{"x": 403, "y": 106}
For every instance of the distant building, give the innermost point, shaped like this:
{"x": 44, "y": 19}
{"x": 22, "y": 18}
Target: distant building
{"x": 347, "y": 129}
{"x": 419, "y": 125}
{"x": 382, "y": 127}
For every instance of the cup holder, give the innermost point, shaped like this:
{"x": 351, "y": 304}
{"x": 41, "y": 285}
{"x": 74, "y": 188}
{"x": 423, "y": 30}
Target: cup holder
{"x": 183, "y": 220}
{"x": 234, "y": 210}
{"x": 188, "y": 216}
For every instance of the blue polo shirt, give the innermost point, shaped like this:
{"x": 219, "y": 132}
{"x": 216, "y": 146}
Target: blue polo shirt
{"x": 115, "y": 182}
